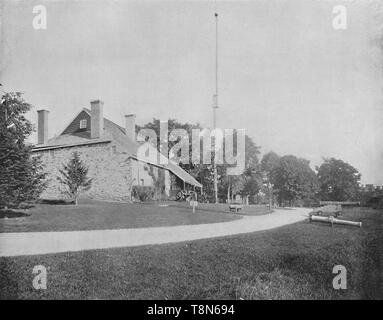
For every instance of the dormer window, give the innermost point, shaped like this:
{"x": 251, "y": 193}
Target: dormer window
{"x": 83, "y": 124}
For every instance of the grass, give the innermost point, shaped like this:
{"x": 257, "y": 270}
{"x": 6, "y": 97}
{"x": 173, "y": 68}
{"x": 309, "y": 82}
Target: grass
{"x": 253, "y": 210}
{"x": 96, "y": 215}
{"x": 291, "y": 262}
{"x": 11, "y": 214}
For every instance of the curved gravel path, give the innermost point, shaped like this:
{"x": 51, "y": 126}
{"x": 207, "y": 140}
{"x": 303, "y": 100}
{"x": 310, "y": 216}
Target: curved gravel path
{"x": 32, "y": 243}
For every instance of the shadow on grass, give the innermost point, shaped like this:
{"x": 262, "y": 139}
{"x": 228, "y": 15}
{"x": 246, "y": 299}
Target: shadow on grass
{"x": 56, "y": 202}
{"x": 223, "y": 208}
{"x": 9, "y": 214}
{"x": 186, "y": 205}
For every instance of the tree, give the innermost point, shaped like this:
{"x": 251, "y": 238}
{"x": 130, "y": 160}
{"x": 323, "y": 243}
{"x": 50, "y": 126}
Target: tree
{"x": 371, "y": 196}
{"x": 245, "y": 184}
{"x": 339, "y": 181}
{"x": 22, "y": 178}
{"x": 269, "y": 162}
{"x": 249, "y": 183}
{"x": 75, "y": 177}
{"x": 294, "y": 180}
{"x": 198, "y": 171}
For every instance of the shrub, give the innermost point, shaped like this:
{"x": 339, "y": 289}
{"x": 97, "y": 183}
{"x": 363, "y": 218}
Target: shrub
{"x": 143, "y": 193}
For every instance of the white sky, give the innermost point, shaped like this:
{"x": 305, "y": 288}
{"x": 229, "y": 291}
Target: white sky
{"x": 297, "y": 85}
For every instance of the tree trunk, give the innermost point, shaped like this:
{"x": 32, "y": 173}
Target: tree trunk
{"x": 228, "y": 193}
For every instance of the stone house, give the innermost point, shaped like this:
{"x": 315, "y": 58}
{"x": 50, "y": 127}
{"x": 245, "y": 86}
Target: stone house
{"x": 111, "y": 153}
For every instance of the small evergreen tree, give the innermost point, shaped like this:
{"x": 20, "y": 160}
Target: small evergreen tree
{"x": 75, "y": 177}
{"x": 21, "y": 174}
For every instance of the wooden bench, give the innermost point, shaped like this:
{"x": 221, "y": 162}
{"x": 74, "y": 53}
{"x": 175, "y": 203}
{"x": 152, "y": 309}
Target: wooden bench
{"x": 235, "y": 207}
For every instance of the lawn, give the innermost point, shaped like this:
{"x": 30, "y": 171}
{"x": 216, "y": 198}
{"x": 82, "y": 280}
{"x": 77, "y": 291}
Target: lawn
{"x": 251, "y": 210}
{"x": 96, "y": 215}
{"x": 291, "y": 262}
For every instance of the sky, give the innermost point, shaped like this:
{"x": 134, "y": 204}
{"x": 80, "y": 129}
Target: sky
{"x": 295, "y": 83}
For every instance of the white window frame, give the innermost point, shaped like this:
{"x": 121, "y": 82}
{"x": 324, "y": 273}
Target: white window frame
{"x": 83, "y": 124}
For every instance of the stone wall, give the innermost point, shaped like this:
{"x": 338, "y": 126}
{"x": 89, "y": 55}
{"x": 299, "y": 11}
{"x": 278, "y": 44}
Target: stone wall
{"x": 111, "y": 171}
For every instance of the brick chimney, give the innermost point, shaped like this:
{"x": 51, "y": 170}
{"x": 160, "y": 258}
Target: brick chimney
{"x": 42, "y": 126}
{"x": 96, "y": 119}
{"x": 130, "y": 126}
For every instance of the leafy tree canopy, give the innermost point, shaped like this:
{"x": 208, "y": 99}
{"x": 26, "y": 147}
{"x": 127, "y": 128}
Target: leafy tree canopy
{"x": 269, "y": 162}
{"x": 293, "y": 179}
{"x": 339, "y": 181}
{"x": 21, "y": 174}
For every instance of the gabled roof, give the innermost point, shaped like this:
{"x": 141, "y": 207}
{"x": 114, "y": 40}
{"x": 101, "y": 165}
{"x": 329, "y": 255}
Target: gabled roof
{"x": 112, "y": 132}
{"x": 182, "y": 174}
{"x": 169, "y": 165}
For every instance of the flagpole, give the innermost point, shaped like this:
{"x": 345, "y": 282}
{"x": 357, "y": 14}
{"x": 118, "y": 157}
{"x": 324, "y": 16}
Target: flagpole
{"x": 215, "y": 107}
